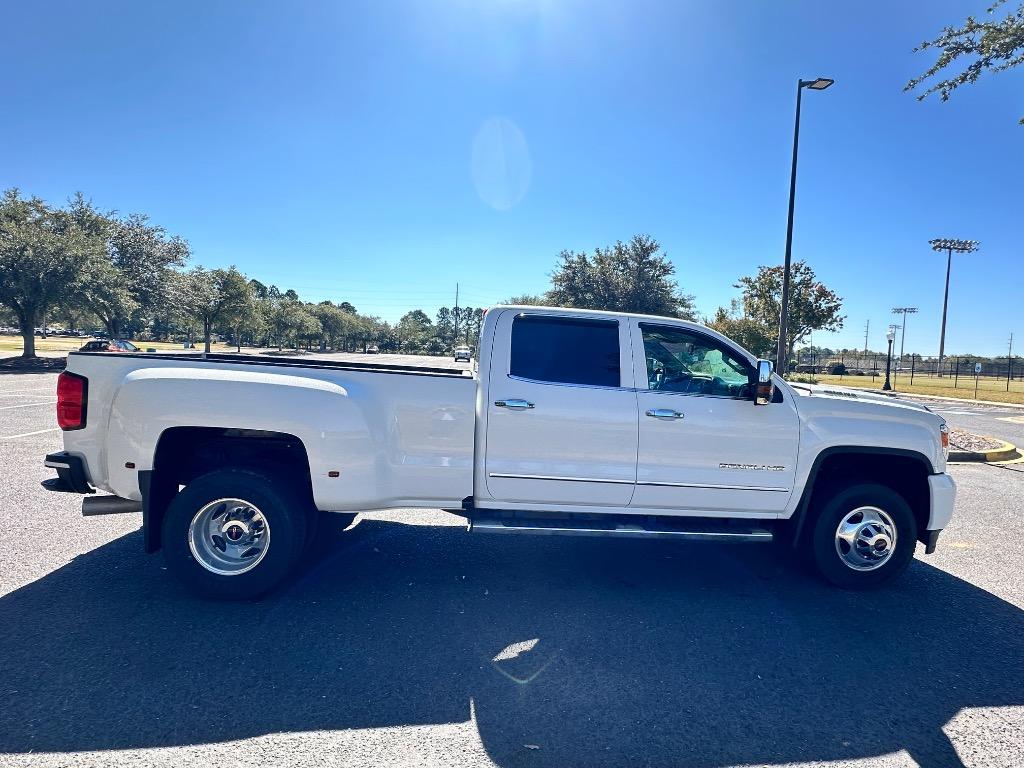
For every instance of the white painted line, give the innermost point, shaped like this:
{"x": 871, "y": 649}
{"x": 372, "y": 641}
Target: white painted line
{"x": 26, "y": 405}
{"x": 27, "y": 434}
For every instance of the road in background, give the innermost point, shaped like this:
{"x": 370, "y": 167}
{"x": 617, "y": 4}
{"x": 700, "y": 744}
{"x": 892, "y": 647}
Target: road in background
{"x": 410, "y": 641}
{"x": 992, "y": 419}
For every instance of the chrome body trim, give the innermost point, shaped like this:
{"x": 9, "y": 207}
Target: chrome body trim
{"x": 571, "y": 479}
{"x": 565, "y": 479}
{"x": 716, "y": 487}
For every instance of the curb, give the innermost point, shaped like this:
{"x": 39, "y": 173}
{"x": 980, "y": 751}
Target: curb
{"x": 948, "y": 398}
{"x": 1005, "y": 452}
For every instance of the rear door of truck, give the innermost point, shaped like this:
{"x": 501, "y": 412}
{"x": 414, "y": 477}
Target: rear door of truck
{"x": 561, "y": 411}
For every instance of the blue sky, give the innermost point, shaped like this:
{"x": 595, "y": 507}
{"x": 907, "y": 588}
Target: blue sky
{"x": 380, "y": 152}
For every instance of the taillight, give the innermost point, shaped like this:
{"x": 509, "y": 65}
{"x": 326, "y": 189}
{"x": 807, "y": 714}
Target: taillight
{"x": 72, "y": 395}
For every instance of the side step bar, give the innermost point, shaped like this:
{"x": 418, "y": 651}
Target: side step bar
{"x": 662, "y": 528}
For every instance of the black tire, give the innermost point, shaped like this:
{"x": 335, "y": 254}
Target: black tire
{"x": 284, "y": 512}
{"x": 322, "y": 528}
{"x": 827, "y": 553}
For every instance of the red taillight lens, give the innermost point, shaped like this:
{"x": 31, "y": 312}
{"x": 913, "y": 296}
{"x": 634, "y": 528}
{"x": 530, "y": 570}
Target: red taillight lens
{"x": 72, "y": 392}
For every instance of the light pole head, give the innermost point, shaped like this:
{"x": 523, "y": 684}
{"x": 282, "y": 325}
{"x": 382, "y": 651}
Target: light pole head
{"x": 952, "y": 244}
{"x": 904, "y": 310}
{"x": 891, "y": 334}
{"x": 817, "y": 84}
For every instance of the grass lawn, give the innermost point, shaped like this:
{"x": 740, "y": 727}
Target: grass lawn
{"x": 13, "y": 345}
{"x": 988, "y": 389}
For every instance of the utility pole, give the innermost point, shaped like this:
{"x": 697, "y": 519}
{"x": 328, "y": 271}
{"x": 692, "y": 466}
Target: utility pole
{"x": 903, "y": 336}
{"x": 455, "y": 317}
{"x": 949, "y": 245}
{"x": 867, "y": 327}
{"x": 1009, "y": 363}
{"x": 892, "y": 329}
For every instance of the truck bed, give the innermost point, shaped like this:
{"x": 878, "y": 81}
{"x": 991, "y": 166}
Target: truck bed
{"x": 375, "y": 434}
{"x": 287, "y": 362}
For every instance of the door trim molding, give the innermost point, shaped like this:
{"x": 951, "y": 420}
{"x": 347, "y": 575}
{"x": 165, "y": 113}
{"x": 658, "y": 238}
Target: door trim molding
{"x": 562, "y": 478}
{"x": 715, "y": 487}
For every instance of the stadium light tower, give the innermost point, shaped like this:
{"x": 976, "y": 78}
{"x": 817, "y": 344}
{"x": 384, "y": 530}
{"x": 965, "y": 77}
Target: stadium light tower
{"x": 949, "y": 244}
{"x": 817, "y": 84}
{"x": 903, "y": 334}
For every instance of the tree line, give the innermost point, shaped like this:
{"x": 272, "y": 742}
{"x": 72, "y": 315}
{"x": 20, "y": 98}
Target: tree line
{"x": 84, "y": 267}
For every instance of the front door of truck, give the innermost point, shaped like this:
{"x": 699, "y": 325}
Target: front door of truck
{"x": 561, "y": 427}
{"x": 704, "y": 446}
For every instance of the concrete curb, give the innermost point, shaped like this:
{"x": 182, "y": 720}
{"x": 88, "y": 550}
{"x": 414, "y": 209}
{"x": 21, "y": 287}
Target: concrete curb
{"x": 1005, "y": 452}
{"x": 948, "y": 398}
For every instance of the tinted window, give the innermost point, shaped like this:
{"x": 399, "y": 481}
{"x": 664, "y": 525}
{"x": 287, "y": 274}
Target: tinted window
{"x": 566, "y": 350}
{"x": 682, "y": 361}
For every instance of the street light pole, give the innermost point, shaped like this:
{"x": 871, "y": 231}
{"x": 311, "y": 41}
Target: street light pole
{"x": 903, "y": 334}
{"x": 817, "y": 84}
{"x": 891, "y": 336}
{"x": 949, "y": 245}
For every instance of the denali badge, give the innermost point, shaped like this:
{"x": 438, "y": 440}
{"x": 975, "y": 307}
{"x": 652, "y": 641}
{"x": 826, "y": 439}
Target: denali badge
{"x": 754, "y": 467}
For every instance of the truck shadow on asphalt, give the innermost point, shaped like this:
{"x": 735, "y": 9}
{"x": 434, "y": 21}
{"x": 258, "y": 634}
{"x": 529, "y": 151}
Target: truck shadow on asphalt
{"x": 599, "y": 652}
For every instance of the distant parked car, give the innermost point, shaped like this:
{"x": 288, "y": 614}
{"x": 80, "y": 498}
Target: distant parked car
{"x": 373, "y": 350}
{"x": 109, "y": 345}
{"x": 463, "y": 353}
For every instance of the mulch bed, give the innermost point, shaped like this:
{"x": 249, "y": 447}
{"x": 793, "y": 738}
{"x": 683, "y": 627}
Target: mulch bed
{"x": 965, "y": 441}
{"x": 32, "y": 364}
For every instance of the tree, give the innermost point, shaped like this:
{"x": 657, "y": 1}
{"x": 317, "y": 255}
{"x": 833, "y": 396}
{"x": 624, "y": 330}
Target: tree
{"x": 414, "y": 330}
{"x": 215, "y": 296}
{"x": 745, "y": 331}
{"x": 133, "y": 280}
{"x": 43, "y": 256}
{"x": 445, "y": 327}
{"x": 335, "y": 323}
{"x": 628, "y": 277}
{"x": 993, "y": 46}
{"x": 812, "y": 305}
{"x": 527, "y": 300}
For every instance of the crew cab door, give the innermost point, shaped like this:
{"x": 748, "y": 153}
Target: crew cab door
{"x": 704, "y": 446}
{"x": 561, "y": 428}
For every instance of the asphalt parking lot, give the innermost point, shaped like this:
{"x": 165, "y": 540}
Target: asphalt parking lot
{"x": 411, "y": 642}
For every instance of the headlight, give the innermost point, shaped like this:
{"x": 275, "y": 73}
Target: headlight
{"x": 944, "y": 437}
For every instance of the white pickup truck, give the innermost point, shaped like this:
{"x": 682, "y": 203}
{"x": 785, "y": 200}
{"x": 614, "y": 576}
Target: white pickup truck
{"x": 573, "y": 422}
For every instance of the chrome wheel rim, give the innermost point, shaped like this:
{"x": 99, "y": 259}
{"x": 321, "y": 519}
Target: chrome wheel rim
{"x": 866, "y": 538}
{"x": 229, "y": 537}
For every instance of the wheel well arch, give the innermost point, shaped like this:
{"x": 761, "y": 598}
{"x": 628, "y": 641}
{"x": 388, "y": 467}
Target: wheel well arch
{"x": 184, "y": 453}
{"x": 905, "y": 471}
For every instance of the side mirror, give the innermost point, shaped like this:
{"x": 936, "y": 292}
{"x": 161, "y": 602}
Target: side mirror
{"x": 765, "y": 387}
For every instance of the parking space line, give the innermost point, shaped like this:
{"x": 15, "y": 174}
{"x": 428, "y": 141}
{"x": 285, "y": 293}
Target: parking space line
{"x": 26, "y": 405}
{"x": 27, "y": 434}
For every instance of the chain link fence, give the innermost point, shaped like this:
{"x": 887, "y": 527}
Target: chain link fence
{"x": 953, "y": 368}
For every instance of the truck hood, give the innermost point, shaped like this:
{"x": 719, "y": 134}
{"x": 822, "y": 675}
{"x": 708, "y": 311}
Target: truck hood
{"x": 845, "y": 416}
{"x": 849, "y": 394}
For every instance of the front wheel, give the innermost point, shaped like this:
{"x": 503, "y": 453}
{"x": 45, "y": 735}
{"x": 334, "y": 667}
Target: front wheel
{"x": 864, "y": 536}
{"x": 234, "y": 534}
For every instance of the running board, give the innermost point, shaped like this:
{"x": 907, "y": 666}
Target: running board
{"x": 662, "y": 528}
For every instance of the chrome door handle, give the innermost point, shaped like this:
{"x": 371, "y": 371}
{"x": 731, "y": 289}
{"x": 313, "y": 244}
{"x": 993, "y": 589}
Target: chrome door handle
{"x": 514, "y": 403}
{"x": 664, "y": 413}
